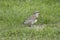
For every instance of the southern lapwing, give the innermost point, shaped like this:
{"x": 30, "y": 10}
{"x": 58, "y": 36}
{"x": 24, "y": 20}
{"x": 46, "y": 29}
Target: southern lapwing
{"x": 32, "y": 19}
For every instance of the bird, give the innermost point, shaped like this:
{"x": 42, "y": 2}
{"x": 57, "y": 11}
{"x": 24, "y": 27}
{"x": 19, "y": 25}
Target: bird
{"x": 32, "y": 19}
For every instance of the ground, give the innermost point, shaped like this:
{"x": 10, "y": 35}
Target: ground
{"x": 14, "y": 12}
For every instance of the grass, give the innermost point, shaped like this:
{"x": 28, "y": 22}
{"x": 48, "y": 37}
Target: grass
{"x": 14, "y": 12}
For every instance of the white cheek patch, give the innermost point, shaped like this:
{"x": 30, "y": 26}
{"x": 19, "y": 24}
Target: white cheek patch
{"x": 37, "y": 14}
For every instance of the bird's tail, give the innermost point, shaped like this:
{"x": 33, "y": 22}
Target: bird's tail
{"x": 24, "y": 22}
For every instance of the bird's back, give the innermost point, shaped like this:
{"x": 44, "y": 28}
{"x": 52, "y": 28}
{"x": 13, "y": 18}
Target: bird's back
{"x": 30, "y": 19}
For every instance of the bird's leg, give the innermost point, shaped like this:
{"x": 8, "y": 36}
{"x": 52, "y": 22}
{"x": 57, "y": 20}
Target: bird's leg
{"x": 30, "y": 25}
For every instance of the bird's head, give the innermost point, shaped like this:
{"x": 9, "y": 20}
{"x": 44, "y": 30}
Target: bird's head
{"x": 36, "y": 13}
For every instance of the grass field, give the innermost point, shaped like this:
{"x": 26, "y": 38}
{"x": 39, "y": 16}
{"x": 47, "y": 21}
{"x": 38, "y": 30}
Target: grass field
{"x": 14, "y": 12}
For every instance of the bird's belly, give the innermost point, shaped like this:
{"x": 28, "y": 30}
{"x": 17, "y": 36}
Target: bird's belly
{"x": 34, "y": 21}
